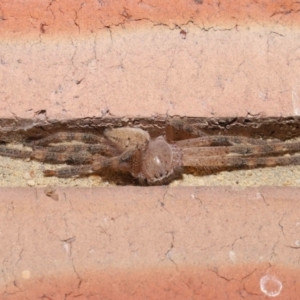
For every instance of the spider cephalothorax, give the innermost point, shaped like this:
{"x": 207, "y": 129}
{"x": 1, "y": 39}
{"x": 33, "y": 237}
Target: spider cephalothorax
{"x": 158, "y": 161}
{"x": 154, "y": 160}
{"x": 150, "y": 160}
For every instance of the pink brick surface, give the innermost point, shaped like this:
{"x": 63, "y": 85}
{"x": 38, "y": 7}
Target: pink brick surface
{"x": 150, "y": 243}
{"x": 133, "y": 58}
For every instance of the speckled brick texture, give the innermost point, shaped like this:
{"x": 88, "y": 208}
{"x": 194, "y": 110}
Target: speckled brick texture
{"x": 150, "y": 243}
{"x": 146, "y": 58}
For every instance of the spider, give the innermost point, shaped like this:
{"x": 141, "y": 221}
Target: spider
{"x": 154, "y": 161}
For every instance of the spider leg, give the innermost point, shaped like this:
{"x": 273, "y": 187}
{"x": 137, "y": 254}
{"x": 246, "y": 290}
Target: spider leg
{"x": 121, "y": 163}
{"x": 222, "y": 140}
{"x": 75, "y": 158}
{"x": 68, "y": 172}
{"x": 14, "y": 153}
{"x": 239, "y": 162}
{"x": 175, "y": 126}
{"x": 99, "y": 164}
{"x": 251, "y": 150}
{"x": 87, "y": 138}
{"x": 103, "y": 149}
{"x": 51, "y": 155}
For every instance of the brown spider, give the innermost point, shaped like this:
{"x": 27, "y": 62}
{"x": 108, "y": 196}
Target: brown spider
{"x": 154, "y": 161}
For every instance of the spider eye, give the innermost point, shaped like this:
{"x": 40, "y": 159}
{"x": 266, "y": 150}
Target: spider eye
{"x": 157, "y": 160}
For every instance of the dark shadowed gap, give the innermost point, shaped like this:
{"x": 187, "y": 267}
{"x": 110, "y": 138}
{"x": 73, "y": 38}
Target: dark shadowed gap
{"x": 12, "y": 130}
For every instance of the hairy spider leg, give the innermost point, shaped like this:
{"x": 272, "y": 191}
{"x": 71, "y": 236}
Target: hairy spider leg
{"x": 14, "y": 153}
{"x": 47, "y": 155}
{"x": 68, "y": 172}
{"x": 238, "y": 162}
{"x": 103, "y": 149}
{"x": 244, "y": 150}
{"x": 122, "y": 163}
{"x": 87, "y": 138}
{"x": 222, "y": 140}
{"x": 75, "y": 158}
{"x": 174, "y": 126}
